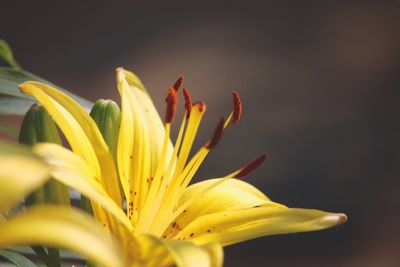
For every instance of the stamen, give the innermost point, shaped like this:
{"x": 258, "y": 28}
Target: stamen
{"x": 250, "y": 167}
{"x": 216, "y": 136}
{"x": 237, "y": 107}
{"x": 178, "y": 83}
{"x": 172, "y": 102}
{"x": 198, "y": 111}
{"x": 201, "y": 104}
{"x": 188, "y": 102}
{"x": 168, "y": 190}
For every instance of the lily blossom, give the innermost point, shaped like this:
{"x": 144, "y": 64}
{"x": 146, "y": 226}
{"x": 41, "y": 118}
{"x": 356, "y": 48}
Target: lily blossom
{"x": 145, "y": 200}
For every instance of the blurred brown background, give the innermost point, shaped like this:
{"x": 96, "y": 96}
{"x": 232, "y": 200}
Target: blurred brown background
{"x": 320, "y": 85}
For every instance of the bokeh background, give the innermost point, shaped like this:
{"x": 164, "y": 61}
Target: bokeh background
{"x": 320, "y": 85}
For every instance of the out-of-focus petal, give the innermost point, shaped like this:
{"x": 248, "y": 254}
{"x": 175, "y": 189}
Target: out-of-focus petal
{"x": 81, "y": 132}
{"x": 59, "y": 226}
{"x": 157, "y": 252}
{"x": 70, "y": 169}
{"x": 21, "y": 172}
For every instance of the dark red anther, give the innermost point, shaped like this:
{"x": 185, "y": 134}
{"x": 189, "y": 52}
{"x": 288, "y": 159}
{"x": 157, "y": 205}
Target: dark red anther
{"x": 217, "y": 135}
{"x": 178, "y": 83}
{"x": 250, "y": 167}
{"x": 188, "y": 102}
{"x": 172, "y": 102}
{"x": 237, "y": 107}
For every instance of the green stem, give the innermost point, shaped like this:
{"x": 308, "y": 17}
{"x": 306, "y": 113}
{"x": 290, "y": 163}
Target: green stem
{"x": 54, "y": 257}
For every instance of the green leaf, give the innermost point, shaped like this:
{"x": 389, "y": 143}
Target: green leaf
{"x": 65, "y": 254}
{"x": 9, "y": 129}
{"x": 7, "y": 55}
{"x": 17, "y": 259}
{"x": 14, "y": 106}
{"x": 10, "y": 79}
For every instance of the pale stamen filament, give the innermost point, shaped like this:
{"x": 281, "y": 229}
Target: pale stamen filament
{"x": 175, "y": 181}
{"x": 168, "y": 182}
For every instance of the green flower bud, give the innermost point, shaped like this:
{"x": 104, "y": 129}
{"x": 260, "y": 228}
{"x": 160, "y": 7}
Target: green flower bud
{"x": 107, "y": 116}
{"x": 37, "y": 126}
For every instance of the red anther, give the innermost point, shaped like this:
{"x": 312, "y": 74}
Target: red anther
{"x": 188, "y": 102}
{"x": 237, "y": 107}
{"x": 178, "y": 83}
{"x": 200, "y": 105}
{"x": 217, "y": 135}
{"x": 172, "y": 102}
{"x": 250, "y": 167}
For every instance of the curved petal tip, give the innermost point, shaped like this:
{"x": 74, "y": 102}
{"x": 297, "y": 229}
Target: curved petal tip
{"x": 22, "y": 87}
{"x": 334, "y": 219}
{"x": 342, "y": 218}
{"x": 120, "y": 73}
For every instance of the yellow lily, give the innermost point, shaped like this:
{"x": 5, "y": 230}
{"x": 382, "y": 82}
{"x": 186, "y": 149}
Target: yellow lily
{"x": 160, "y": 219}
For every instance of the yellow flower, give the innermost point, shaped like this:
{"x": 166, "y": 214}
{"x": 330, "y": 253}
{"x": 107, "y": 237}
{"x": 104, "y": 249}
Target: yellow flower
{"x": 158, "y": 219}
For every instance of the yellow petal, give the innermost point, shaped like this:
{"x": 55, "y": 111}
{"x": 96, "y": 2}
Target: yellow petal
{"x": 157, "y": 252}
{"x": 228, "y": 191}
{"x": 156, "y": 129}
{"x": 140, "y": 140}
{"x": 70, "y": 169}
{"x": 59, "y": 226}
{"x": 188, "y": 254}
{"x": 230, "y": 211}
{"x": 81, "y": 132}
{"x": 216, "y": 253}
{"x": 20, "y": 173}
{"x": 235, "y": 226}
{"x": 132, "y": 140}
{"x": 215, "y": 195}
